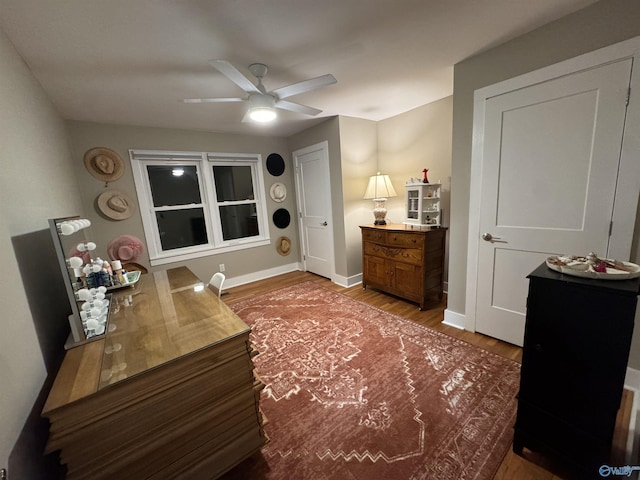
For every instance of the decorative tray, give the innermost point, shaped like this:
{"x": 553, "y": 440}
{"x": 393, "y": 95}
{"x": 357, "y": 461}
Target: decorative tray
{"x": 131, "y": 279}
{"x": 591, "y": 266}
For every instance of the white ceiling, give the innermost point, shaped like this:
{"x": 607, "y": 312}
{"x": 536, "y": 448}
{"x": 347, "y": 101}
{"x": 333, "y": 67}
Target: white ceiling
{"x": 133, "y": 61}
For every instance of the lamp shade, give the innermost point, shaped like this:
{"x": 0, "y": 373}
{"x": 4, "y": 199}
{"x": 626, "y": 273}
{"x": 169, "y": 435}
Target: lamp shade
{"x": 379, "y": 187}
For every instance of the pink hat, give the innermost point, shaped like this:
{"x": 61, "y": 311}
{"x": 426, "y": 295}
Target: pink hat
{"x": 126, "y": 248}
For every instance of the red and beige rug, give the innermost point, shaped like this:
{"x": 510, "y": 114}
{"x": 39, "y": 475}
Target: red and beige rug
{"x": 353, "y": 392}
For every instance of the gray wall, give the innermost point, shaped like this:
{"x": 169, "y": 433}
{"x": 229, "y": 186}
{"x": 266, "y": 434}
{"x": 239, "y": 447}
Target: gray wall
{"x": 400, "y": 146}
{"x": 329, "y": 131}
{"x": 596, "y": 26}
{"x": 601, "y": 24}
{"x": 359, "y": 149}
{"x": 37, "y": 182}
{"x": 85, "y": 136}
{"x": 412, "y": 141}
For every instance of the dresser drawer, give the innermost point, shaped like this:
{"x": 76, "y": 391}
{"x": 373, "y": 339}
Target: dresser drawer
{"x": 400, "y": 254}
{"x": 376, "y": 236}
{"x": 402, "y": 239}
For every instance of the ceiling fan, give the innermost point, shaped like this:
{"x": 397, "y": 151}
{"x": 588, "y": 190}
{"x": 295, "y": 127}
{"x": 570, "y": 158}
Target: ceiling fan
{"x": 263, "y": 104}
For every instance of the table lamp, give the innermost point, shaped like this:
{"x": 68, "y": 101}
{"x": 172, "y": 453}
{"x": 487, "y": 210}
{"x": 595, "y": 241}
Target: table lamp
{"x": 379, "y": 189}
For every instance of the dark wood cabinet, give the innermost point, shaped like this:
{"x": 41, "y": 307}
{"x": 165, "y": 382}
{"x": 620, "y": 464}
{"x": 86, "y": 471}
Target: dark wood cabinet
{"x": 576, "y": 347}
{"x": 405, "y": 261}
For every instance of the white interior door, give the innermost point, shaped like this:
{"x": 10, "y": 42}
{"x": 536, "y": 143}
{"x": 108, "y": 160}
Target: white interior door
{"x": 314, "y": 207}
{"x": 549, "y": 170}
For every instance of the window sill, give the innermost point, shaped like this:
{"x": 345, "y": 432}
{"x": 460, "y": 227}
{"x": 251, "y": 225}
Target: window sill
{"x": 165, "y": 259}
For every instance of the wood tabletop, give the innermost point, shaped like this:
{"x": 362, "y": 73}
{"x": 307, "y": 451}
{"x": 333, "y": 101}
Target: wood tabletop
{"x": 402, "y": 227}
{"x": 166, "y": 316}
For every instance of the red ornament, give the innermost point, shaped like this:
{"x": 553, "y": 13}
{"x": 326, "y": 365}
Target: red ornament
{"x": 425, "y": 179}
{"x": 600, "y": 267}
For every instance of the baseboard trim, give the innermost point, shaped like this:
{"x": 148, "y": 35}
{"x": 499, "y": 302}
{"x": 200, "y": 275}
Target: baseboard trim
{"x": 261, "y": 275}
{"x": 231, "y": 282}
{"x": 454, "y": 319}
{"x": 632, "y": 379}
{"x": 347, "y": 281}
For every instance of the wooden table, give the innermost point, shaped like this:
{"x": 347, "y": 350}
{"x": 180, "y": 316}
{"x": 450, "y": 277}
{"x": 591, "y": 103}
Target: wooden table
{"x": 168, "y": 392}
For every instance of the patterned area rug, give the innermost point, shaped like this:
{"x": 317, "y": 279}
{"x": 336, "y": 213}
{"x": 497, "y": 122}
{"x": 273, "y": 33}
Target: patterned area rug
{"x": 353, "y": 392}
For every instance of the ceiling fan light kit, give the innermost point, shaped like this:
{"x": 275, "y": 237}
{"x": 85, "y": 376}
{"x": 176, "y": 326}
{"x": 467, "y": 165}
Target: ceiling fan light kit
{"x": 263, "y": 104}
{"x": 262, "y": 114}
{"x": 262, "y": 107}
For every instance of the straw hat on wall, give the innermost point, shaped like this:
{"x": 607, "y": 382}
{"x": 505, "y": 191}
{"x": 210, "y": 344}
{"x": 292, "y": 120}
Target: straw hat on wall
{"x": 283, "y": 246}
{"x": 115, "y": 204}
{"x": 104, "y": 164}
{"x": 278, "y": 192}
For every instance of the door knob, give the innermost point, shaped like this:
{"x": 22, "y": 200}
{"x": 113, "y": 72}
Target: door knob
{"x": 487, "y": 237}
{"x": 324, "y": 224}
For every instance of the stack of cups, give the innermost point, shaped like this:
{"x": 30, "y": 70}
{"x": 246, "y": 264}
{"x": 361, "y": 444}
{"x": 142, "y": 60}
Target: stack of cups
{"x": 94, "y": 310}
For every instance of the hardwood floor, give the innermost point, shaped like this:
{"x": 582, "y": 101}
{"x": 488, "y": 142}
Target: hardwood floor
{"x": 526, "y": 467}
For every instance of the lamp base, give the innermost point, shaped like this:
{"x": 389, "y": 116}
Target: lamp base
{"x": 379, "y": 211}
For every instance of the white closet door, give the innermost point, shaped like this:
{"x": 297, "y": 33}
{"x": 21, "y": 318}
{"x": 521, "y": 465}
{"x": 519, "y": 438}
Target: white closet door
{"x": 549, "y": 170}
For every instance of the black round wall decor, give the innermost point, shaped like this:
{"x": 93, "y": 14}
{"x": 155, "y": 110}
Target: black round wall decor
{"x": 275, "y": 164}
{"x": 281, "y": 218}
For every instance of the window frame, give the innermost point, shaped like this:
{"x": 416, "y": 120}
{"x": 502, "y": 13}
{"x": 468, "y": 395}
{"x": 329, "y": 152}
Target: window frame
{"x": 204, "y": 162}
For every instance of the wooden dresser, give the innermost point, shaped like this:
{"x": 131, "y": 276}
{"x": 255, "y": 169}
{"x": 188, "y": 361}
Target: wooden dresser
{"x": 404, "y": 261}
{"x": 168, "y": 393}
{"x": 574, "y": 360}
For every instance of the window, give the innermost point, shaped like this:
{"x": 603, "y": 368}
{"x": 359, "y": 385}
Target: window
{"x": 236, "y": 202}
{"x": 196, "y": 204}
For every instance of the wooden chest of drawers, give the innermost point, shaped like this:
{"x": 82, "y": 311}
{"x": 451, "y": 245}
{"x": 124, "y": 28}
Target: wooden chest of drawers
{"x": 168, "y": 393}
{"x": 403, "y": 261}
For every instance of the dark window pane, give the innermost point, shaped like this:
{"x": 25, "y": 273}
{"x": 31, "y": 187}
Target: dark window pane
{"x": 239, "y": 221}
{"x": 233, "y": 183}
{"x": 168, "y": 188}
{"x": 181, "y": 228}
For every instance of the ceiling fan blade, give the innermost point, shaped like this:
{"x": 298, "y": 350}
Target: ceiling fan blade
{"x": 212, "y": 100}
{"x": 305, "y": 86}
{"x": 246, "y": 118}
{"x": 296, "y": 107}
{"x": 233, "y": 74}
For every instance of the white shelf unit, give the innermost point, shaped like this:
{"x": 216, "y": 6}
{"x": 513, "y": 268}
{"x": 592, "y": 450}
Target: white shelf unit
{"x": 423, "y": 204}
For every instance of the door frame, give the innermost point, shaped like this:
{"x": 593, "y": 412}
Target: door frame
{"x": 628, "y": 184}
{"x": 323, "y": 147}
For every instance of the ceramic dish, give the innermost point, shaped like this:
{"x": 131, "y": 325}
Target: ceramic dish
{"x": 131, "y": 278}
{"x": 581, "y": 267}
